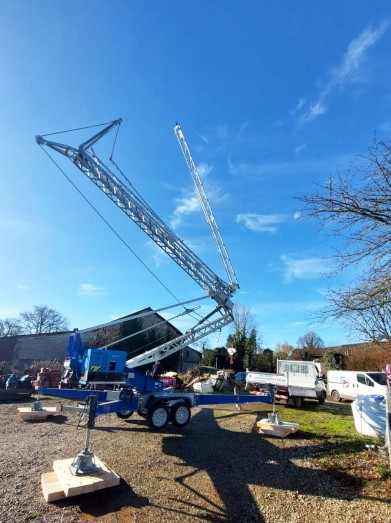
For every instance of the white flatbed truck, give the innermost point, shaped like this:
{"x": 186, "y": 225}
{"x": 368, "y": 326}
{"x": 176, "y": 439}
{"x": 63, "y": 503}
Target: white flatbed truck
{"x": 294, "y": 382}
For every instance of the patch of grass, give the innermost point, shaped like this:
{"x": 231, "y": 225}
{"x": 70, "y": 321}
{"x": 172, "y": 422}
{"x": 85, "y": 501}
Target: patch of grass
{"x": 340, "y": 449}
{"x": 385, "y": 472}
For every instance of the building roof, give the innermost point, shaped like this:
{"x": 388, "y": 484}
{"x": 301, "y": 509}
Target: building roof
{"x": 53, "y": 345}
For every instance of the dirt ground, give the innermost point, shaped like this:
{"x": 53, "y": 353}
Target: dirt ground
{"x": 217, "y": 469}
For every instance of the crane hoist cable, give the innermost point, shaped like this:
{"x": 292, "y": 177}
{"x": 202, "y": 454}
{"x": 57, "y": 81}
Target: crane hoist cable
{"x": 154, "y": 326}
{"x": 78, "y": 129}
{"x": 143, "y": 314}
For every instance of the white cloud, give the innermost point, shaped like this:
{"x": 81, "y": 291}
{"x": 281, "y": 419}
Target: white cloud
{"x": 158, "y": 255}
{"x": 185, "y": 205}
{"x": 241, "y": 130}
{"x": 300, "y": 104}
{"x": 87, "y": 289}
{"x": 260, "y": 222}
{"x": 300, "y": 148}
{"x": 21, "y": 287}
{"x": 189, "y": 203}
{"x": 258, "y": 170}
{"x": 385, "y": 126}
{"x": 346, "y": 72}
{"x": 303, "y": 269}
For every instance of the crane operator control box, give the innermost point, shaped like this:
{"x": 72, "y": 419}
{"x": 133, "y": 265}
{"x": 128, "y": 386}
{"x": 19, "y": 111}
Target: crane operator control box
{"x": 105, "y": 366}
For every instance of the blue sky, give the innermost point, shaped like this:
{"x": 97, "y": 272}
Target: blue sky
{"x": 272, "y": 97}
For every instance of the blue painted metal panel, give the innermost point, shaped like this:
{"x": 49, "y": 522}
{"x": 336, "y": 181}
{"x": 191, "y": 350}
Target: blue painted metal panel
{"x": 74, "y": 394}
{"x": 221, "y": 399}
{"x": 110, "y": 407}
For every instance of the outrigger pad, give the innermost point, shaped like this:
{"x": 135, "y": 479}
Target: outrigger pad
{"x": 281, "y": 429}
{"x": 27, "y": 414}
{"x": 62, "y": 483}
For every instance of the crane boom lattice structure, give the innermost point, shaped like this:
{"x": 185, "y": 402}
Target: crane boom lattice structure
{"x": 209, "y": 216}
{"x": 136, "y": 208}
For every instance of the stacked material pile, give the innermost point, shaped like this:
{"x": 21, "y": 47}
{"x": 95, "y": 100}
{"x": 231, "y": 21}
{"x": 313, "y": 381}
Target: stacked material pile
{"x": 48, "y": 378}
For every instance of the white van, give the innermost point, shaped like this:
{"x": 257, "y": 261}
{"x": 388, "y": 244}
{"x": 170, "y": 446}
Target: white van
{"x": 346, "y": 384}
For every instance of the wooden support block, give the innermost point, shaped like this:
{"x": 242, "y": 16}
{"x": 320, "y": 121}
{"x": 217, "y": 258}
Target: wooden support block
{"x": 76, "y": 485}
{"x": 281, "y": 430}
{"x": 51, "y": 487}
{"x": 26, "y": 414}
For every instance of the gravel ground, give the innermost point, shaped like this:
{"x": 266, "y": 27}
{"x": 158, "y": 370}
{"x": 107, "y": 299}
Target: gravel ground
{"x": 217, "y": 469}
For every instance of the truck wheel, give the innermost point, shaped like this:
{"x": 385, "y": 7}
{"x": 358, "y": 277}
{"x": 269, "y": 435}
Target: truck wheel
{"x": 295, "y": 401}
{"x": 322, "y": 398}
{"x": 125, "y": 414}
{"x": 157, "y": 416}
{"x": 299, "y": 402}
{"x": 180, "y": 414}
{"x": 335, "y": 395}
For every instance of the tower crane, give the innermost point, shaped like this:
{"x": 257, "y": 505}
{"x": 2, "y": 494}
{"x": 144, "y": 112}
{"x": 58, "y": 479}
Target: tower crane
{"x": 137, "y": 209}
{"x": 94, "y": 367}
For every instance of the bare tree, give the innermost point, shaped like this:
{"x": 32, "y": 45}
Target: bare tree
{"x": 365, "y": 307}
{"x": 310, "y": 340}
{"x": 283, "y": 351}
{"x": 10, "y": 327}
{"x": 43, "y": 319}
{"x": 243, "y": 319}
{"x": 358, "y": 207}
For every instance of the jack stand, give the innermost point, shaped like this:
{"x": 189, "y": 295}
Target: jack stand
{"x": 84, "y": 464}
{"x": 273, "y": 417}
{"x": 37, "y": 412}
{"x": 37, "y": 406}
{"x": 272, "y": 425}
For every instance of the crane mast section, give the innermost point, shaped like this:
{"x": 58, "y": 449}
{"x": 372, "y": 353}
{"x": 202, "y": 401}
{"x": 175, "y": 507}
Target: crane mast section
{"x": 141, "y": 214}
{"x": 234, "y": 284}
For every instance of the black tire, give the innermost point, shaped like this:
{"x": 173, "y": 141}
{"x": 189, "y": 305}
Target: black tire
{"x": 335, "y": 395}
{"x": 125, "y": 414}
{"x": 158, "y": 416}
{"x": 141, "y": 413}
{"x": 322, "y": 398}
{"x": 180, "y": 414}
{"x": 295, "y": 401}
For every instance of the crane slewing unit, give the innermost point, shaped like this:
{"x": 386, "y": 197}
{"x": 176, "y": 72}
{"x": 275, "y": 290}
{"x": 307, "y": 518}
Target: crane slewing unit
{"x": 137, "y": 209}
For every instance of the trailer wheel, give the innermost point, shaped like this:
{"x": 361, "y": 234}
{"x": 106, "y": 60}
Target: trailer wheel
{"x": 335, "y": 395}
{"x": 322, "y": 398}
{"x": 141, "y": 413}
{"x": 180, "y": 414}
{"x": 157, "y": 416}
{"x": 125, "y": 414}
